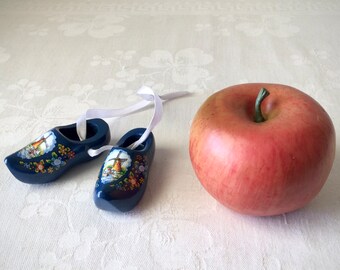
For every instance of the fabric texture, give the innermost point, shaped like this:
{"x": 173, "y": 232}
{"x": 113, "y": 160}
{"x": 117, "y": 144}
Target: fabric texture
{"x": 60, "y": 58}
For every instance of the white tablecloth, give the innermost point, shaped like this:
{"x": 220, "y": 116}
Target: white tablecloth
{"x": 59, "y": 58}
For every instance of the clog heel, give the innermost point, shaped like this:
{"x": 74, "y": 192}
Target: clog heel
{"x": 124, "y": 174}
{"x": 56, "y": 151}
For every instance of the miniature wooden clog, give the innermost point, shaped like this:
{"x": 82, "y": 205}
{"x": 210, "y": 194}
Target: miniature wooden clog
{"x": 124, "y": 174}
{"x": 56, "y": 151}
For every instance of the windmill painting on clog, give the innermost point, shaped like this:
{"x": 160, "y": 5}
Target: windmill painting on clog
{"x": 40, "y": 146}
{"x": 118, "y": 162}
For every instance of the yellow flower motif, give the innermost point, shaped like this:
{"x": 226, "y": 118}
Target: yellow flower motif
{"x": 63, "y": 150}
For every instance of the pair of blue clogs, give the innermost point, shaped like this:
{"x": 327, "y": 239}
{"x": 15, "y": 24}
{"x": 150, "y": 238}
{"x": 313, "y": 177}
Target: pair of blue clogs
{"x": 122, "y": 178}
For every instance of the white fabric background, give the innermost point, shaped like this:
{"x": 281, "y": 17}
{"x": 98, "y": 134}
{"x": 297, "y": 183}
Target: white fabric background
{"x": 59, "y": 58}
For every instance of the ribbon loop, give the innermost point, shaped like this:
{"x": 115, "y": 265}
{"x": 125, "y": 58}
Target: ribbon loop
{"x": 148, "y": 96}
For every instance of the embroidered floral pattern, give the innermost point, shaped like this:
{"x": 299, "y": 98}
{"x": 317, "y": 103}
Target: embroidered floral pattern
{"x": 186, "y": 67}
{"x": 58, "y": 159}
{"x": 4, "y": 56}
{"x": 28, "y": 90}
{"x": 97, "y": 27}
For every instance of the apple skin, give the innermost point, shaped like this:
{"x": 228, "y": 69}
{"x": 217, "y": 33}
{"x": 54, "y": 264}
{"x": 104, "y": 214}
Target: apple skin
{"x": 266, "y": 168}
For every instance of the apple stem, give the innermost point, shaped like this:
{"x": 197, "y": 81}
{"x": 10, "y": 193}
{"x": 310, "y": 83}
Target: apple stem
{"x": 260, "y": 97}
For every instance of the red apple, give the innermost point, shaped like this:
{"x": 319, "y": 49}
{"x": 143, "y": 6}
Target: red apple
{"x": 268, "y": 166}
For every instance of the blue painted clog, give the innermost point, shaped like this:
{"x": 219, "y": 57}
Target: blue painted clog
{"x": 56, "y": 151}
{"x": 124, "y": 174}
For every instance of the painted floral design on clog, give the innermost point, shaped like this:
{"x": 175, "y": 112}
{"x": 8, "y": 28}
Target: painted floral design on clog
{"x": 57, "y": 160}
{"x": 116, "y": 168}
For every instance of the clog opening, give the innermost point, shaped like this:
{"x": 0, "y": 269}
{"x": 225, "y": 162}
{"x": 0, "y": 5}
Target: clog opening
{"x": 71, "y": 132}
{"x": 130, "y": 140}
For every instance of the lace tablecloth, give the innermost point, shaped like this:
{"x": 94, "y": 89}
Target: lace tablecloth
{"x": 60, "y": 58}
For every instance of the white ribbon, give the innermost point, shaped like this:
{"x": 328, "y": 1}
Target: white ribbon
{"x": 148, "y": 95}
